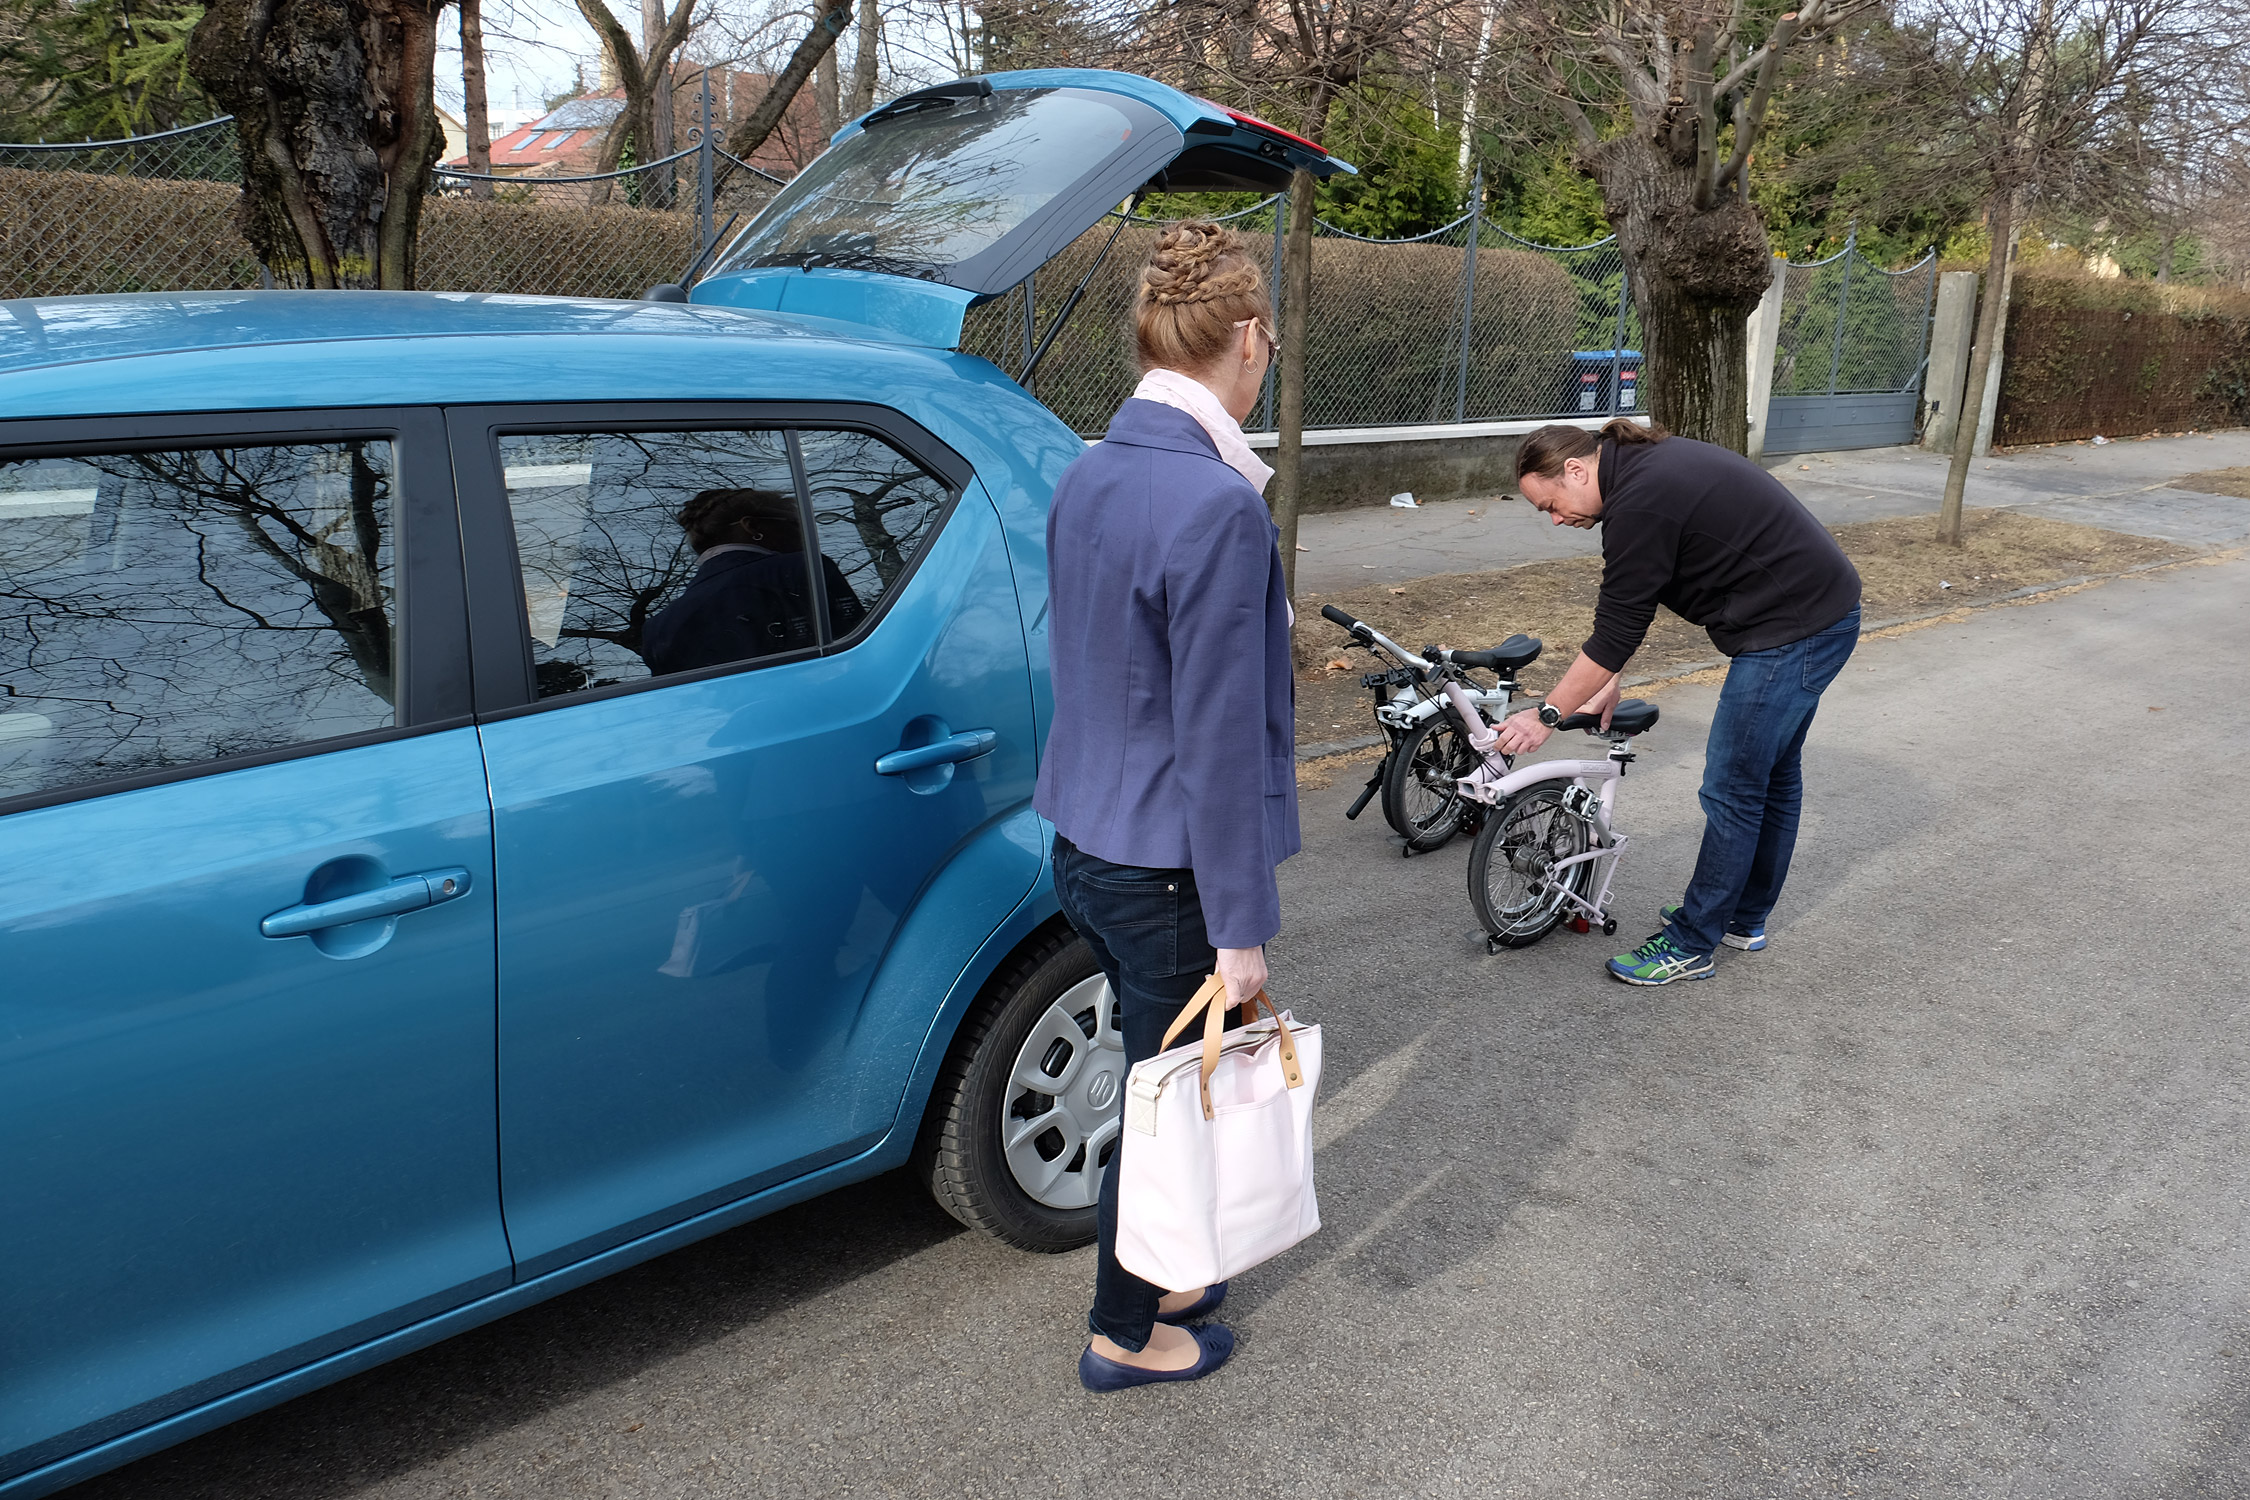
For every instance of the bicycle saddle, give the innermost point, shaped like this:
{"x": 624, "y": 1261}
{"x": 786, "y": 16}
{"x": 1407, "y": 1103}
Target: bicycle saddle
{"x": 1511, "y": 655}
{"x": 1632, "y": 716}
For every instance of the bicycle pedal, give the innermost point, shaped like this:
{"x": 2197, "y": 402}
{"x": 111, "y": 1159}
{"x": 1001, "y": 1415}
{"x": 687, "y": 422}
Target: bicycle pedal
{"x": 1580, "y": 924}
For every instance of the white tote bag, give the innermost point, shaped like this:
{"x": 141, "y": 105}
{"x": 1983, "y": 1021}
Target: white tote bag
{"x": 1215, "y": 1168}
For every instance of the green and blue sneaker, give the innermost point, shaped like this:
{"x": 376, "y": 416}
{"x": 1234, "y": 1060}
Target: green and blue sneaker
{"x": 1659, "y": 961}
{"x": 1736, "y": 935}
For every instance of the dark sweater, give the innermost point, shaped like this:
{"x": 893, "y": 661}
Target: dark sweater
{"x": 1717, "y": 540}
{"x": 743, "y": 605}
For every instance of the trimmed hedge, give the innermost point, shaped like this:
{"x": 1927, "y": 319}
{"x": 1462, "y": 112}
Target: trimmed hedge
{"x": 64, "y": 233}
{"x": 2085, "y": 356}
{"x": 1383, "y": 345}
{"x": 67, "y": 233}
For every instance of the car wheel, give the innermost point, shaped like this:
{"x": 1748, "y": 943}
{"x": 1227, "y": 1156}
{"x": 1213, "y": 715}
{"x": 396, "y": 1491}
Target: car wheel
{"x": 1025, "y": 1115}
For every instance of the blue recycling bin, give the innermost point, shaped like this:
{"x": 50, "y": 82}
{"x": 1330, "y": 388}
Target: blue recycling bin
{"x": 1587, "y": 387}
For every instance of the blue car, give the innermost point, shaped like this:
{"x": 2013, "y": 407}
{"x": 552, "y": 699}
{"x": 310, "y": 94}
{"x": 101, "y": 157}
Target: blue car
{"x": 494, "y": 788}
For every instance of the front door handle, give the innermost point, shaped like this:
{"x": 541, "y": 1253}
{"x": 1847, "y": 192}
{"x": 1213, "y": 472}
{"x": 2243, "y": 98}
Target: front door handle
{"x": 967, "y": 745}
{"x": 405, "y": 894}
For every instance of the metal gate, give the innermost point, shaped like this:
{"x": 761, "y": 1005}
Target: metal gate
{"x": 1847, "y": 366}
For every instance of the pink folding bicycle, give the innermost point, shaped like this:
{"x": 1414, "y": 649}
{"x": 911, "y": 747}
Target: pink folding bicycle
{"x": 1548, "y": 851}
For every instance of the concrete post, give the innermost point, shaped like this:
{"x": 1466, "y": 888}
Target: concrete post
{"x": 1764, "y": 339}
{"x": 1952, "y": 328}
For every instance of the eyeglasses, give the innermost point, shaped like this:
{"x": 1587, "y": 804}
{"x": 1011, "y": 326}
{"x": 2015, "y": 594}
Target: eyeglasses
{"x": 1272, "y": 339}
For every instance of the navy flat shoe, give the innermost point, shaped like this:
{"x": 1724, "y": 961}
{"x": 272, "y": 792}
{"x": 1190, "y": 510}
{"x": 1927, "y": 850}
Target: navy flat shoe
{"x": 1099, "y": 1374}
{"x": 1201, "y": 1307}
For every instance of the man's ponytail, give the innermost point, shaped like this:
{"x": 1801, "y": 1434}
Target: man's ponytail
{"x": 1634, "y": 430}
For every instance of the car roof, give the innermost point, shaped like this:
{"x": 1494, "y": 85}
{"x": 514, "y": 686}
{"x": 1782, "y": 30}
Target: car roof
{"x": 204, "y": 351}
{"x": 66, "y": 330}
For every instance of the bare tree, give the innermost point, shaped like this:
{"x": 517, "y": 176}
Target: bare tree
{"x": 476, "y": 109}
{"x": 829, "y": 19}
{"x": 334, "y": 102}
{"x": 2038, "y": 100}
{"x": 644, "y": 72}
{"x": 1665, "y": 101}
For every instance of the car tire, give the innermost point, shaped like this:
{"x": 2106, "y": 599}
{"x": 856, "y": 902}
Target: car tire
{"x": 980, "y": 1101}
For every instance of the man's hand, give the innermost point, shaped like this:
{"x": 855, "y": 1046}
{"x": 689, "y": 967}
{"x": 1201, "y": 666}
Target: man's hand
{"x": 1604, "y": 702}
{"x": 1244, "y": 970}
{"x": 1520, "y": 734}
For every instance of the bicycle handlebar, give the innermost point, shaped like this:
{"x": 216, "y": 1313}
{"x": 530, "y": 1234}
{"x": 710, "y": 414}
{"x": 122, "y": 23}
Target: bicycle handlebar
{"x": 1363, "y": 631}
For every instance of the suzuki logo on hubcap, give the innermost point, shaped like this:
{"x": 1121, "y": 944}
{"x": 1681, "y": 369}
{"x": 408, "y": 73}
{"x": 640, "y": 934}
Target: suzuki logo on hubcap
{"x": 1102, "y": 1091}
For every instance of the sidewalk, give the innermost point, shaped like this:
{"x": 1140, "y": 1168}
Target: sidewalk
{"x": 2122, "y": 486}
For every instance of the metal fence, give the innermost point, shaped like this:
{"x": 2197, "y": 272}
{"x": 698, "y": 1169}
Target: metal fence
{"x": 157, "y": 213}
{"x": 1399, "y": 332}
{"x": 1850, "y": 348}
{"x": 1850, "y": 327}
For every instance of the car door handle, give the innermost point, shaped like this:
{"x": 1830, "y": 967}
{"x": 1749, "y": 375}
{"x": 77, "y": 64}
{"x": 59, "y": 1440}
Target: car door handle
{"x": 405, "y": 894}
{"x": 967, "y": 745}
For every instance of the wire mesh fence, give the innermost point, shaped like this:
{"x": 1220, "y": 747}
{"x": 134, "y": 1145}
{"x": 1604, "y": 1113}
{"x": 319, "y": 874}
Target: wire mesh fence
{"x": 1849, "y": 326}
{"x": 1398, "y": 332}
{"x": 157, "y": 213}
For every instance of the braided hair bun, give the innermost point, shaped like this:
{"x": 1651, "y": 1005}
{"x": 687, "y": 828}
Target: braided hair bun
{"x": 1200, "y": 281}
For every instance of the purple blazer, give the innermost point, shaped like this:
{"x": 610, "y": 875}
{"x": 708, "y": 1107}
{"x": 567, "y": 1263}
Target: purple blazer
{"x": 1174, "y": 736}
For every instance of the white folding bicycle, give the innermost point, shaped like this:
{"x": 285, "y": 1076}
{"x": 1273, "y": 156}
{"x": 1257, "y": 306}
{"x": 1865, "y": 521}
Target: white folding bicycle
{"x": 1547, "y": 852}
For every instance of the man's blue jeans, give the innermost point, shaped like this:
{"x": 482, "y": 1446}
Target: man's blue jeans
{"x": 1754, "y": 783}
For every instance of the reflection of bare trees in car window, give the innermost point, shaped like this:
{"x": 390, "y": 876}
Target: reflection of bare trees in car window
{"x": 165, "y": 608}
{"x": 646, "y": 553}
{"x": 914, "y": 195}
{"x": 751, "y": 595}
{"x": 875, "y": 508}
{"x": 599, "y": 541}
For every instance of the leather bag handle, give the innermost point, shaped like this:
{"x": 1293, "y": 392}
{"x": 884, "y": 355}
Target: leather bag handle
{"x": 1210, "y": 1000}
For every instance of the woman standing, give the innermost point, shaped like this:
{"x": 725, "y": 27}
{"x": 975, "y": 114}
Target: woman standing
{"x": 1170, "y": 772}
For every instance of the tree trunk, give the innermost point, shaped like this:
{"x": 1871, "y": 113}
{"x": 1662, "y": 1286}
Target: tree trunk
{"x": 1289, "y": 382}
{"x": 868, "y": 56}
{"x": 335, "y": 109}
{"x": 1695, "y": 275}
{"x": 1992, "y": 322}
{"x": 828, "y": 97}
{"x": 476, "y": 108}
{"x": 828, "y": 20}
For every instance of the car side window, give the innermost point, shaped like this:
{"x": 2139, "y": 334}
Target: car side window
{"x": 164, "y": 608}
{"x": 645, "y": 554}
{"x": 875, "y": 509}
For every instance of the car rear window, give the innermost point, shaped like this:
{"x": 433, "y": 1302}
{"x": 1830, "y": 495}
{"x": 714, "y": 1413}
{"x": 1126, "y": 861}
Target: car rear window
{"x": 917, "y": 194}
{"x": 651, "y": 553}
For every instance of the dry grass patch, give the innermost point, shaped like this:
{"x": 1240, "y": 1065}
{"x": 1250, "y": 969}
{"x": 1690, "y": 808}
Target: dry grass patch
{"x": 1903, "y": 569}
{"x": 2235, "y": 482}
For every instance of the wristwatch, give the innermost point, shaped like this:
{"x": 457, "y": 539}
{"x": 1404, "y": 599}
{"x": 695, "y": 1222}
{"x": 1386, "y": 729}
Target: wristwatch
{"x": 1549, "y": 715}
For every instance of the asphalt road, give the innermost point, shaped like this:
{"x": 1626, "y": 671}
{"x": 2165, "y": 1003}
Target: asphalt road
{"x": 1943, "y": 1195}
{"x": 2123, "y": 486}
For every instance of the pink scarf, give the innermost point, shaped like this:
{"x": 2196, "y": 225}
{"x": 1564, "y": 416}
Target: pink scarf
{"x": 1192, "y": 396}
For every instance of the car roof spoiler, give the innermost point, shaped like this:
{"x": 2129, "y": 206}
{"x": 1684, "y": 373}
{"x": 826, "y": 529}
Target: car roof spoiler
{"x": 1174, "y": 142}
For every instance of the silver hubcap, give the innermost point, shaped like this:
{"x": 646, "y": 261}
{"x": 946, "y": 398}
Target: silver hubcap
{"x": 1061, "y": 1117}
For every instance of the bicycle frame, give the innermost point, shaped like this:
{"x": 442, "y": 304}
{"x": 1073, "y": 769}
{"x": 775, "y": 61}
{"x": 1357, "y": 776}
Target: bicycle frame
{"x": 1595, "y": 782}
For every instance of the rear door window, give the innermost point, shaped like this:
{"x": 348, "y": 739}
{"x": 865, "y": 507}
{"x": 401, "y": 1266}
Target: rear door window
{"x": 650, "y": 553}
{"x": 168, "y": 607}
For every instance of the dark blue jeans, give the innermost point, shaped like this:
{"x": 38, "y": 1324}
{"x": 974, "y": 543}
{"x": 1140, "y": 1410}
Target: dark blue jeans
{"x": 1146, "y": 929}
{"x": 1754, "y": 783}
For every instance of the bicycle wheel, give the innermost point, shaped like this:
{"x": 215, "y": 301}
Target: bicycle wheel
{"x": 1421, "y": 790}
{"x": 1512, "y": 882}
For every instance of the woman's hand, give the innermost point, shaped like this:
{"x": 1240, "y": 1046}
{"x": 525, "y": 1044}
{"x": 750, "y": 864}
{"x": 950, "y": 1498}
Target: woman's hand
{"x": 1244, "y": 970}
